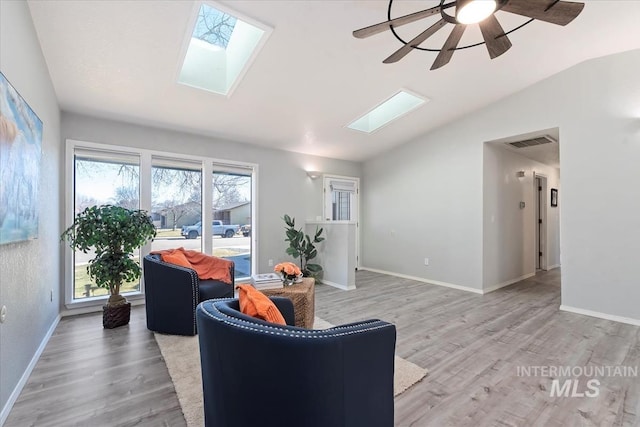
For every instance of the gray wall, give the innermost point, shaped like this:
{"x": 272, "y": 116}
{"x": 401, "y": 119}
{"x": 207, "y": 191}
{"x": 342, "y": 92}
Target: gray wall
{"x": 424, "y": 200}
{"x": 434, "y": 185}
{"x": 30, "y": 270}
{"x": 599, "y": 160}
{"x": 283, "y": 185}
{"x": 509, "y": 233}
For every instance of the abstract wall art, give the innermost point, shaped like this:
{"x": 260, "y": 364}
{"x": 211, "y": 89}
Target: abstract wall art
{"x": 20, "y": 151}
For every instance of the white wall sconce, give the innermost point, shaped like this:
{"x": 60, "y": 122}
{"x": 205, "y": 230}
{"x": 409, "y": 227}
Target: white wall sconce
{"x": 520, "y": 174}
{"x": 314, "y": 174}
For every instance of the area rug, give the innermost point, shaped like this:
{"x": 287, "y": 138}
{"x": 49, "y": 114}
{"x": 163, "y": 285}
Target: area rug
{"x": 182, "y": 356}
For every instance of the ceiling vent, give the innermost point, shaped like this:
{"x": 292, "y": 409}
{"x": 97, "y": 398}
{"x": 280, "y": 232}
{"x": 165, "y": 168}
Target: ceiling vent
{"x": 532, "y": 142}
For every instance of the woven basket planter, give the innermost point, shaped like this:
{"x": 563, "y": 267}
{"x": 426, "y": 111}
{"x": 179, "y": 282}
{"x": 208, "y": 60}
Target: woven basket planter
{"x": 114, "y": 316}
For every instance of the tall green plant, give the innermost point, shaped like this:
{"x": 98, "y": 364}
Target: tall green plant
{"x": 114, "y": 233}
{"x": 303, "y": 247}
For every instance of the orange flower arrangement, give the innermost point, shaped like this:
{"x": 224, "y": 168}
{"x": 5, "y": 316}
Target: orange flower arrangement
{"x": 289, "y": 271}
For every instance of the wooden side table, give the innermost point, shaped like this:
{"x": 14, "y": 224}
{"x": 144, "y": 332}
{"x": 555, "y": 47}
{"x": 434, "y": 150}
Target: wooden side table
{"x": 302, "y": 295}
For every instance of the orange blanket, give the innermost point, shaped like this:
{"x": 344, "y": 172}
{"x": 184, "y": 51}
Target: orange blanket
{"x": 206, "y": 266}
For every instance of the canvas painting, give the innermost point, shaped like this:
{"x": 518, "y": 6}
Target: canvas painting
{"x": 20, "y": 148}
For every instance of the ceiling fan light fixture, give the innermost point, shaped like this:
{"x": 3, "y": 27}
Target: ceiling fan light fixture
{"x": 481, "y": 12}
{"x": 473, "y": 11}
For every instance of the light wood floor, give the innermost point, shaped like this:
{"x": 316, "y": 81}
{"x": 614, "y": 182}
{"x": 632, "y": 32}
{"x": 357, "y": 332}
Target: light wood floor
{"x": 471, "y": 344}
{"x": 88, "y": 376}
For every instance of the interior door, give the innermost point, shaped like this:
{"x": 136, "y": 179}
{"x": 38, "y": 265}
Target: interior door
{"x": 341, "y": 202}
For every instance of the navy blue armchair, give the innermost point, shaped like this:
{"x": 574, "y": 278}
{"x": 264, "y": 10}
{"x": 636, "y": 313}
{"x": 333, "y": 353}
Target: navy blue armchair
{"x": 172, "y": 294}
{"x": 256, "y": 373}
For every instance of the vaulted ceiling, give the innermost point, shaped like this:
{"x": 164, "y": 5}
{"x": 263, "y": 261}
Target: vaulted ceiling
{"x": 120, "y": 60}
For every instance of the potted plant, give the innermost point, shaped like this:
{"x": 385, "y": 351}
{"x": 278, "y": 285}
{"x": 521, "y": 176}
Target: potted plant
{"x": 114, "y": 233}
{"x": 302, "y": 246}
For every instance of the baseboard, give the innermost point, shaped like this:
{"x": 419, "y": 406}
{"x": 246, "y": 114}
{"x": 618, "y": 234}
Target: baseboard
{"x": 420, "y": 279}
{"x": 627, "y": 320}
{"x": 95, "y": 308}
{"x": 551, "y": 267}
{"x": 507, "y": 283}
{"x": 339, "y": 286}
{"x": 25, "y": 376}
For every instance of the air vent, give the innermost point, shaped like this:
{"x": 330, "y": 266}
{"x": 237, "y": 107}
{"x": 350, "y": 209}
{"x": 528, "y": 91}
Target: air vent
{"x": 532, "y": 142}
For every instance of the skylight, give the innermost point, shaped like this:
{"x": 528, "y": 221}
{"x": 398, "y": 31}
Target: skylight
{"x": 220, "y": 49}
{"x": 393, "y": 108}
{"x": 214, "y": 26}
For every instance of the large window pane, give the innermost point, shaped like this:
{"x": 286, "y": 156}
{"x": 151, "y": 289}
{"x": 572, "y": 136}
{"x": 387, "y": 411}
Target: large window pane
{"x": 232, "y": 226}
{"x": 341, "y": 205}
{"x": 340, "y": 199}
{"x": 176, "y": 202}
{"x": 173, "y": 189}
{"x": 103, "y": 178}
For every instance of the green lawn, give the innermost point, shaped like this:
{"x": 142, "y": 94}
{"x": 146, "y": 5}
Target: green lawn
{"x": 167, "y": 232}
{"x": 82, "y": 278}
{"x": 227, "y": 252}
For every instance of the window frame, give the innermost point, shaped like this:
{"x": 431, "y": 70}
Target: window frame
{"x": 145, "y": 188}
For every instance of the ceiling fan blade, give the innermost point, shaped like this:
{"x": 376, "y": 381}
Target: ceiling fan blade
{"x": 447, "y": 50}
{"x": 493, "y": 35}
{"x": 404, "y": 50}
{"x": 402, "y": 20}
{"x": 559, "y": 13}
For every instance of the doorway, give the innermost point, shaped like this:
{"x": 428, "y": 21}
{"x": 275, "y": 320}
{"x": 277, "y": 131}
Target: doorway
{"x": 341, "y": 203}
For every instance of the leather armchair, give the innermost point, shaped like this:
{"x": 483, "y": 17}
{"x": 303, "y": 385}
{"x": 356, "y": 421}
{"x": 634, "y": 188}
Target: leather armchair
{"x": 172, "y": 293}
{"x": 258, "y": 373}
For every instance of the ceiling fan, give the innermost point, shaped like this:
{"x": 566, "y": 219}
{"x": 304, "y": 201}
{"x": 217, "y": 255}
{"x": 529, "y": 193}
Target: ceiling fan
{"x": 468, "y": 12}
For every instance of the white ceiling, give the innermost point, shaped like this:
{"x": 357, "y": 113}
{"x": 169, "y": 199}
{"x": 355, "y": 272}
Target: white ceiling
{"x": 120, "y": 59}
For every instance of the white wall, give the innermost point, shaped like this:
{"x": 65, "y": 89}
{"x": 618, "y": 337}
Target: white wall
{"x": 283, "y": 185}
{"x": 509, "y": 244}
{"x": 430, "y": 190}
{"x": 30, "y": 270}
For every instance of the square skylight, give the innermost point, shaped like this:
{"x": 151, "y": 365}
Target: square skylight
{"x": 219, "y": 48}
{"x": 393, "y": 108}
{"x": 214, "y": 26}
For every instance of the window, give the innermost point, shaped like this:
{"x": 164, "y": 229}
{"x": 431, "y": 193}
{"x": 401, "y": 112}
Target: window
{"x": 232, "y": 215}
{"x": 176, "y": 203}
{"x": 220, "y": 49}
{"x": 101, "y": 178}
{"x": 340, "y": 199}
{"x": 393, "y": 108}
{"x": 171, "y": 188}
{"x": 341, "y": 195}
{"x": 214, "y": 26}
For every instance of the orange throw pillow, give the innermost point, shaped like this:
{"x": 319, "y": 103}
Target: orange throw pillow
{"x": 256, "y": 304}
{"x": 176, "y": 258}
